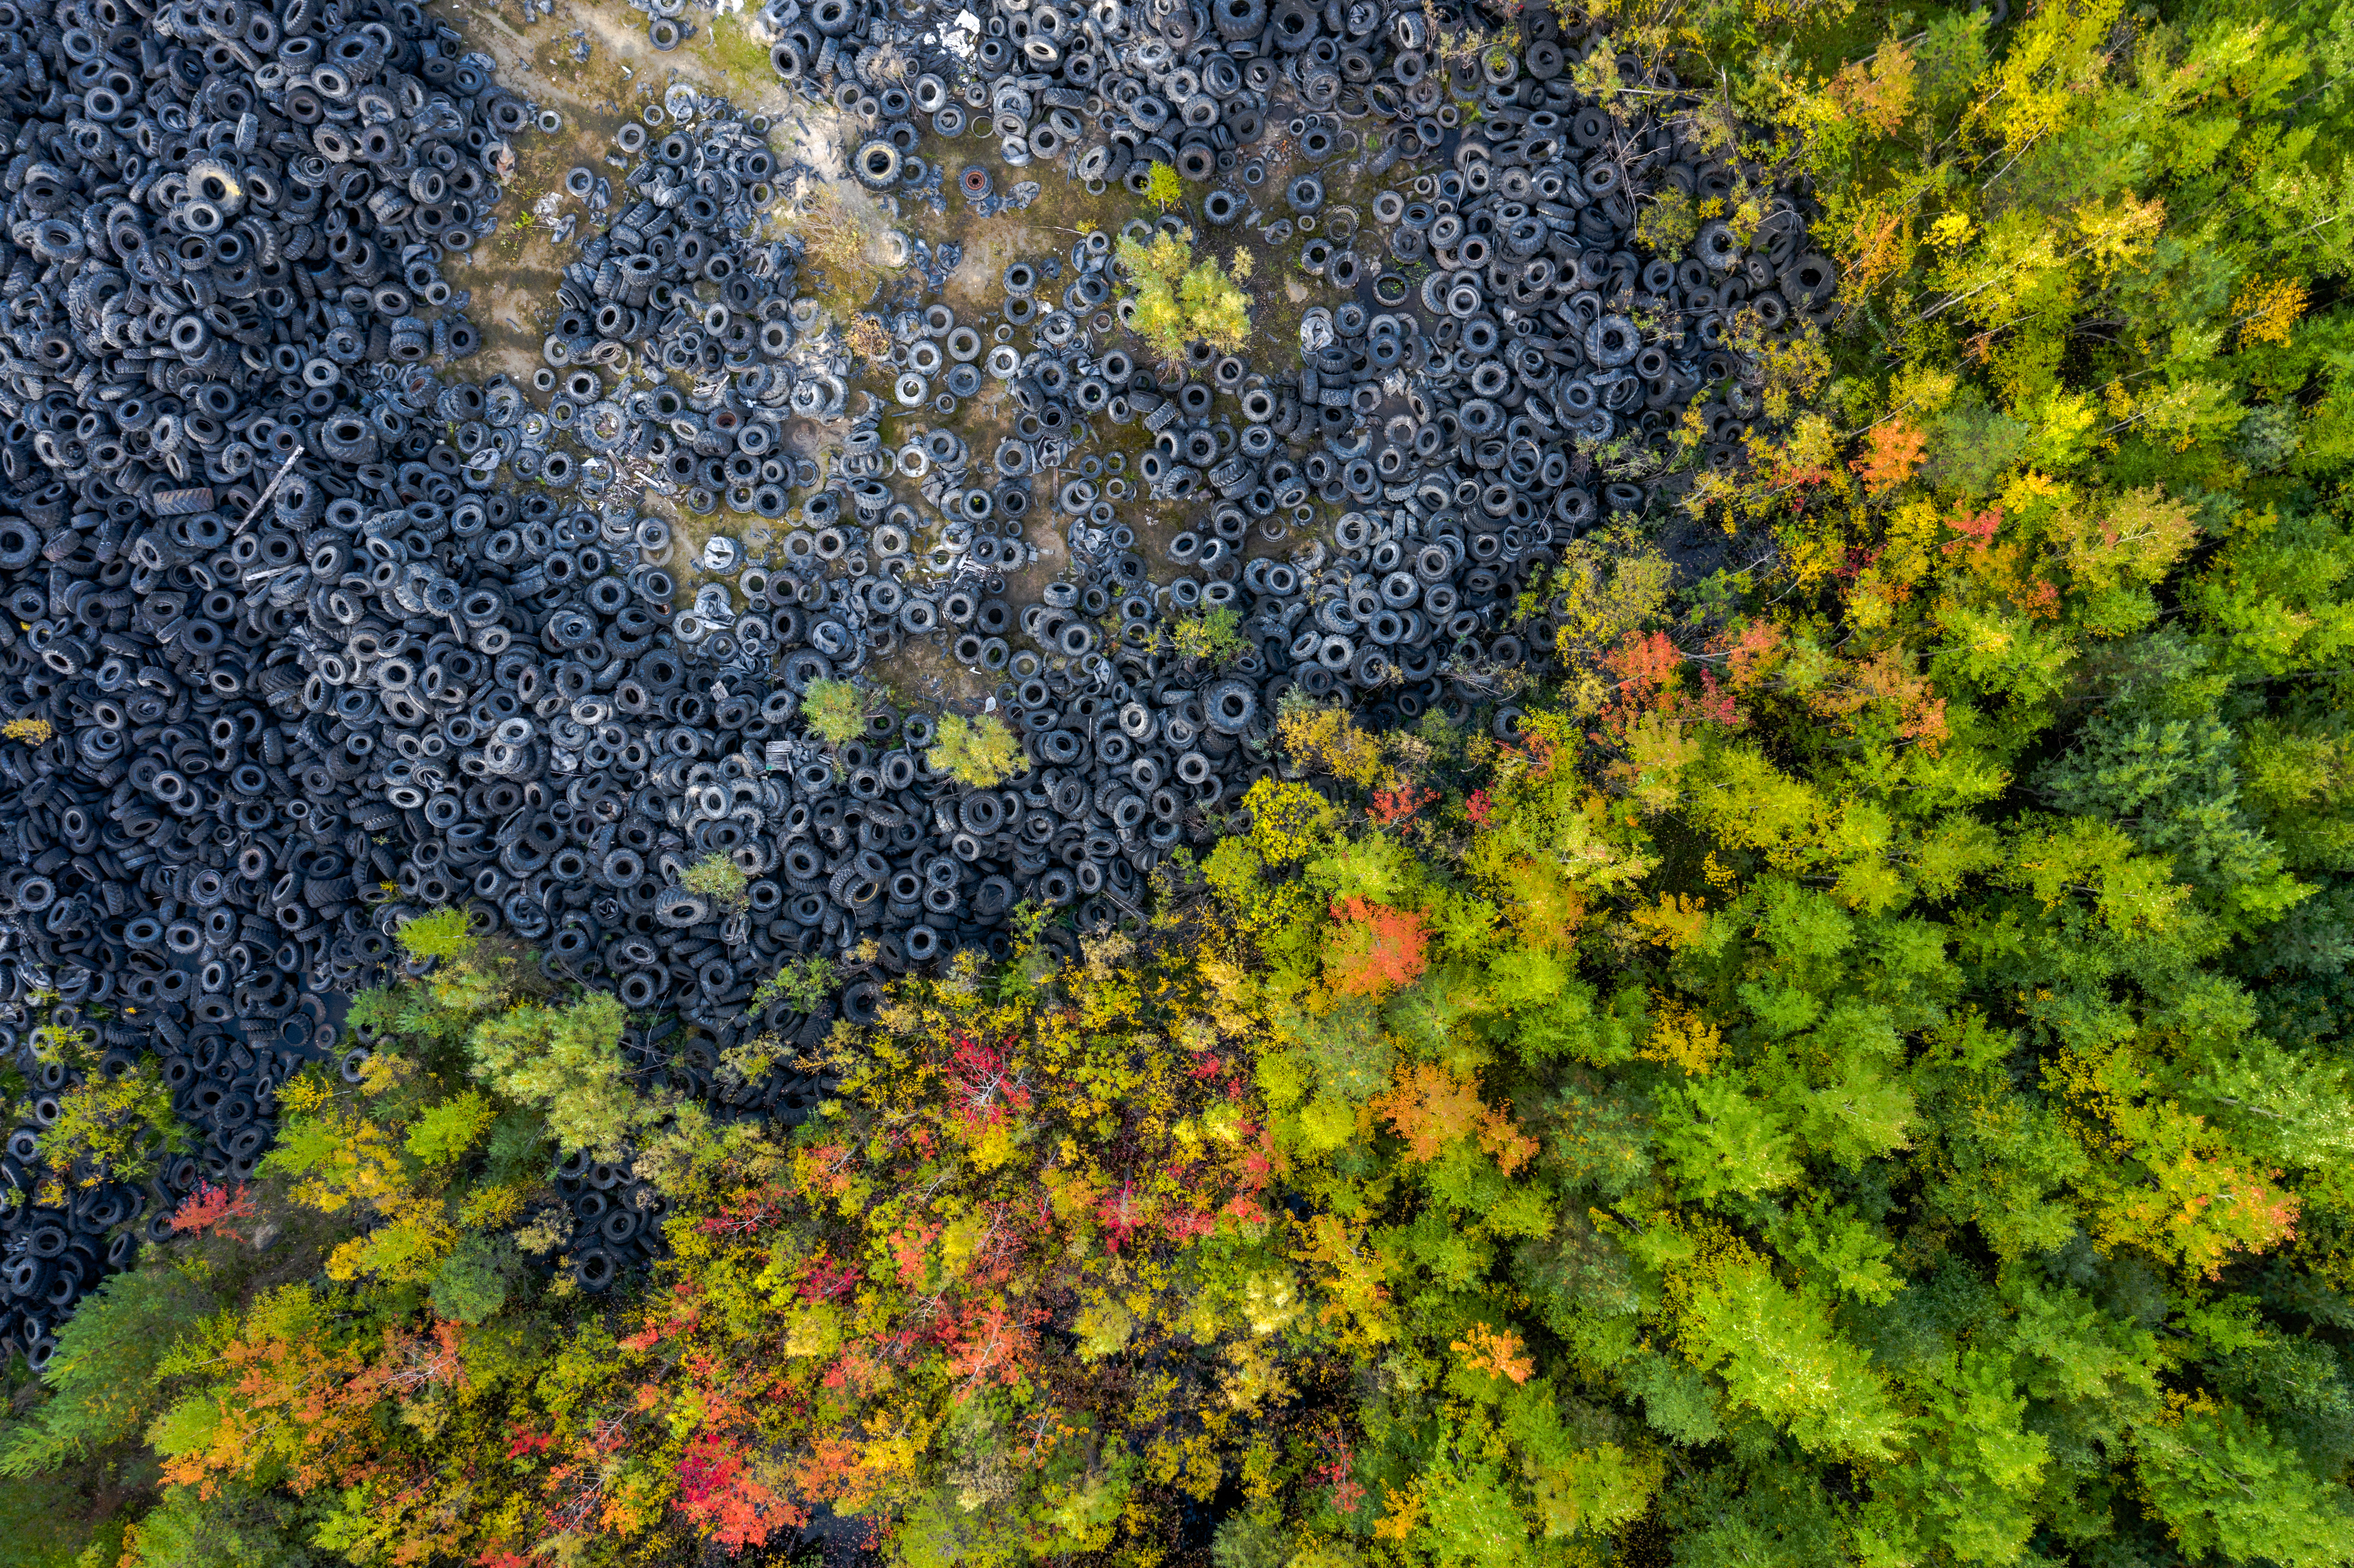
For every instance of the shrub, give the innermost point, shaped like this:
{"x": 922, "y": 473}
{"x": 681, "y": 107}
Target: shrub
{"x": 112, "y": 1127}
{"x": 1162, "y": 188}
{"x": 833, "y": 710}
{"x": 1214, "y": 636}
{"x": 718, "y": 878}
{"x": 444, "y": 934}
{"x": 1181, "y": 301}
{"x": 800, "y": 984}
{"x": 981, "y": 752}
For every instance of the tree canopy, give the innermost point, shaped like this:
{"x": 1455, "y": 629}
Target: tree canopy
{"x": 1855, "y": 1072}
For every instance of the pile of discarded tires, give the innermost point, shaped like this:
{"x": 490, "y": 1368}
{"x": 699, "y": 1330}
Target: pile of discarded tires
{"x": 223, "y": 224}
{"x": 283, "y": 632}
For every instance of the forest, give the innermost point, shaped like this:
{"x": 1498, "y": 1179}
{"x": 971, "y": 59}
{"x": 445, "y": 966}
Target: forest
{"x": 1842, "y": 1057}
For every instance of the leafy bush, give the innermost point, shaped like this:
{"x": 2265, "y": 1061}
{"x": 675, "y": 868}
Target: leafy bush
{"x": 718, "y": 878}
{"x": 1181, "y": 302}
{"x": 443, "y": 934}
{"x": 800, "y": 983}
{"x": 834, "y": 711}
{"x": 981, "y": 752}
{"x": 1214, "y": 636}
{"x": 110, "y": 1128}
{"x": 1162, "y": 187}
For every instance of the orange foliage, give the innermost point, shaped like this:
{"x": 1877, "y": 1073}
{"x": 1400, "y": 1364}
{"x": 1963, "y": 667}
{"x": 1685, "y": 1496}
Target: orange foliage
{"x": 412, "y": 1362}
{"x": 1875, "y": 247}
{"x": 1893, "y": 452}
{"x": 1750, "y": 653}
{"x": 1392, "y": 807}
{"x": 1430, "y": 1108}
{"x": 1977, "y": 533}
{"x": 994, "y": 1343}
{"x": 719, "y": 1492}
{"x": 208, "y": 1209}
{"x": 1644, "y": 662}
{"x": 1497, "y": 1354}
{"x": 289, "y": 1380}
{"x": 1878, "y": 93}
{"x": 2039, "y": 599}
{"x": 911, "y": 1250}
{"x": 1380, "y": 949}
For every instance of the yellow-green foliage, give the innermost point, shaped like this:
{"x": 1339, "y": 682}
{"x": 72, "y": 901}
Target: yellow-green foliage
{"x": 981, "y": 752}
{"x": 800, "y": 984}
{"x": 31, "y": 731}
{"x": 1162, "y": 187}
{"x": 718, "y": 878}
{"x": 1181, "y": 302}
{"x": 1324, "y": 738}
{"x": 1214, "y": 636}
{"x": 834, "y": 711}
{"x": 564, "y": 1061}
{"x": 1257, "y": 872}
{"x": 112, "y": 1127}
{"x": 443, "y": 934}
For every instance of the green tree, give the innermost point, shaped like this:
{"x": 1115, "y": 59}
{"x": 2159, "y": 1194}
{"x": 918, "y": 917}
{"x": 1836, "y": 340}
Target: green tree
{"x": 981, "y": 752}
{"x": 233, "y": 1527}
{"x": 834, "y": 711}
{"x": 564, "y": 1061}
{"x": 100, "y": 1387}
{"x": 719, "y": 879}
{"x": 2226, "y": 1486}
{"x": 1180, "y": 301}
{"x": 1162, "y": 187}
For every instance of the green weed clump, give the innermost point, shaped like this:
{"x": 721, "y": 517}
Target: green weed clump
{"x": 835, "y": 710}
{"x": 1181, "y": 301}
{"x": 719, "y": 879}
{"x": 981, "y": 752}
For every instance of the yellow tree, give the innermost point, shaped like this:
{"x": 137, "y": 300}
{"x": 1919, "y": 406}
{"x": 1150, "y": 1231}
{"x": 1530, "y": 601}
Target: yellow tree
{"x": 1180, "y": 302}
